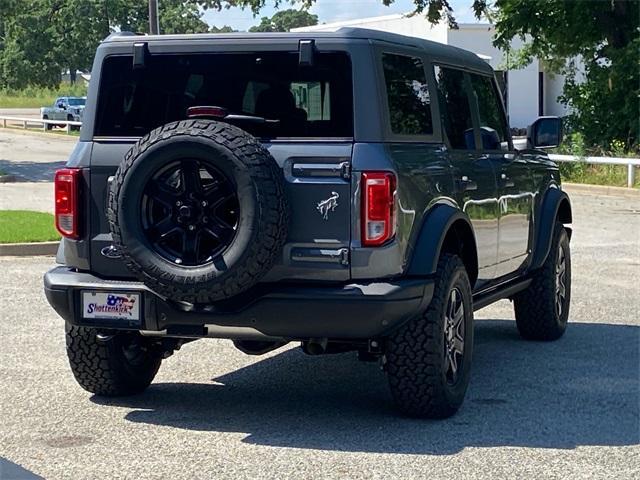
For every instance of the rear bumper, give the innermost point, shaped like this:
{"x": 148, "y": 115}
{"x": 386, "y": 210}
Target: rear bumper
{"x": 350, "y": 311}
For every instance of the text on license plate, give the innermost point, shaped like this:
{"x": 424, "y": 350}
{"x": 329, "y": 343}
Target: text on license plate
{"x": 111, "y": 305}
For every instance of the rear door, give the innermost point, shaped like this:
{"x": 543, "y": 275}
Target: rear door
{"x": 473, "y": 172}
{"x": 515, "y": 184}
{"x": 312, "y": 143}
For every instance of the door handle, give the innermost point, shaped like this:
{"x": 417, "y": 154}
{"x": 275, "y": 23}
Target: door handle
{"x": 505, "y": 181}
{"x": 465, "y": 184}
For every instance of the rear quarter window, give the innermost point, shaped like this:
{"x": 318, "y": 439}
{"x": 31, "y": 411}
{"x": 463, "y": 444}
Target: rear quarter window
{"x": 314, "y": 101}
{"x": 408, "y": 95}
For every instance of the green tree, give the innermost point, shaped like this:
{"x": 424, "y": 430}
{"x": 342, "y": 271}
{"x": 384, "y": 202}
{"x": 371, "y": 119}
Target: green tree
{"x": 285, "y": 20}
{"x": 604, "y": 35}
{"x": 28, "y": 49}
{"x": 41, "y": 38}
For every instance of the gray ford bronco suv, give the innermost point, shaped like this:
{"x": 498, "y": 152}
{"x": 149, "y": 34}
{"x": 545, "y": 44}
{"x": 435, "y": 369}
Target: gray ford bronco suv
{"x": 351, "y": 190}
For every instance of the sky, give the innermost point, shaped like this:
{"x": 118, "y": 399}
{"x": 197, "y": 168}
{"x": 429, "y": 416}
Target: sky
{"x": 331, "y": 11}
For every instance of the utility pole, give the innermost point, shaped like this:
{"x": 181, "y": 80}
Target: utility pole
{"x": 154, "y": 25}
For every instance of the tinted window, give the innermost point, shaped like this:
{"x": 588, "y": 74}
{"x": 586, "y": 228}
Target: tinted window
{"x": 308, "y": 101}
{"x": 493, "y": 124}
{"x": 454, "y": 108}
{"x": 76, "y": 101}
{"x": 408, "y": 95}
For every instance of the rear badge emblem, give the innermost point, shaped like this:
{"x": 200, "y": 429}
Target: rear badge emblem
{"x": 328, "y": 205}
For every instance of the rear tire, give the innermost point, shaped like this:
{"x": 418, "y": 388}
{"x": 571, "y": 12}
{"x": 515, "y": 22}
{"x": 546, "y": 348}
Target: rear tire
{"x": 421, "y": 355}
{"x": 47, "y": 126}
{"x": 121, "y": 364}
{"x": 542, "y": 310}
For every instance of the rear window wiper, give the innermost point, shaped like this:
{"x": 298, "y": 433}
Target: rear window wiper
{"x": 221, "y": 113}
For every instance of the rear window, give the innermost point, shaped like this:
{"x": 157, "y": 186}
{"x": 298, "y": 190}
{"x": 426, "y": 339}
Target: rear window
{"x": 308, "y": 101}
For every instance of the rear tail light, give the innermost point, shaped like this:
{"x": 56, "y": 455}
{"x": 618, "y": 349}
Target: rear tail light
{"x": 378, "y": 208}
{"x": 67, "y": 197}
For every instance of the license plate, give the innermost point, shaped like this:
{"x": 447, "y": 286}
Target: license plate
{"x": 111, "y": 306}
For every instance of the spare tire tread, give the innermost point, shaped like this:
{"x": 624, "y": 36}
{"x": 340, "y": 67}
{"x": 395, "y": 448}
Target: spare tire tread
{"x": 271, "y": 199}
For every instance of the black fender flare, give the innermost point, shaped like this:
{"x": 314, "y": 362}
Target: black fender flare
{"x": 555, "y": 205}
{"x": 428, "y": 246}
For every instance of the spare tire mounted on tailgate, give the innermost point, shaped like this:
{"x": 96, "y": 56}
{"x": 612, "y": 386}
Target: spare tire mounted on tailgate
{"x": 197, "y": 208}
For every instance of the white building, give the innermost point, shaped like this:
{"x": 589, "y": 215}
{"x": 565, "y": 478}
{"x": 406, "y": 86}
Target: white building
{"x": 529, "y": 92}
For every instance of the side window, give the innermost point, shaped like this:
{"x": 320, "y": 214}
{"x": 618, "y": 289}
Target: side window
{"x": 407, "y": 94}
{"x": 454, "y": 108}
{"x": 493, "y": 124}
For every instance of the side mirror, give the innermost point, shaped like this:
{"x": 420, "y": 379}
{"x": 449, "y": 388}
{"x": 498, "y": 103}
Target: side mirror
{"x": 545, "y": 132}
{"x": 490, "y": 138}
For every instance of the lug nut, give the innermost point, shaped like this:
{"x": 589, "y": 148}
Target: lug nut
{"x": 192, "y": 227}
{"x": 178, "y": 203}
{"x": 204, "y": 203}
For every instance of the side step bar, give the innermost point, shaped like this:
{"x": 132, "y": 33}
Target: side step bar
{"x": 483, "y": 299}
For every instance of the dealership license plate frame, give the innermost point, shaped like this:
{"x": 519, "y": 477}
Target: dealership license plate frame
{"x": 111, "y": 319}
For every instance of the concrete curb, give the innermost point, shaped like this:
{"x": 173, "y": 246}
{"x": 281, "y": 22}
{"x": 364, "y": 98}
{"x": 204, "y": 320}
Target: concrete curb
{"x": 601, "y": 190}
{"x": 28, "y": 249}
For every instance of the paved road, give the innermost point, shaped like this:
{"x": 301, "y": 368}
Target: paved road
{"x": 20, "y": 112}
{"x": 32, "y": 157}
{"x": 568, "y": 409}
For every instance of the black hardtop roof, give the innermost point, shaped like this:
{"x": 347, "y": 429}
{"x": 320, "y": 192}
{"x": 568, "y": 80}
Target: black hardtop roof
{"x": 435, "y": 49}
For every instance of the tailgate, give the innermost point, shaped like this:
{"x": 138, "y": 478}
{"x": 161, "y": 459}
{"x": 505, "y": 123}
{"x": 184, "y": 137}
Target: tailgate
{"x": 318, "y": 188}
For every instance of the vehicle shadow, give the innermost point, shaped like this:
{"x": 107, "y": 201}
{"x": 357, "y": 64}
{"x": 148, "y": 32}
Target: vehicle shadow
{"x": 31, "y": 171}
{"x": 580, "y": 390}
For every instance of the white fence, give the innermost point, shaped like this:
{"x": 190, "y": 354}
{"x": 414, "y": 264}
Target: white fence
{"x": 519, "y": 143}
{"x": 25, "y": 122}
{"x": 631, "y": 163}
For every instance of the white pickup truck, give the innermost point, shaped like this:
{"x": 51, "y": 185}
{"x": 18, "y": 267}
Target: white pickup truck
{"x": 64, "y": 108}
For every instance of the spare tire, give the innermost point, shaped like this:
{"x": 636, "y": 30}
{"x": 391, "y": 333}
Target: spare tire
{"x": 197, "y": 209}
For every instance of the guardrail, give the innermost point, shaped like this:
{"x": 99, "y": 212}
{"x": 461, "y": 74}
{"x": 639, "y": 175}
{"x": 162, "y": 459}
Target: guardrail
{"x": 631, "y": 163}
{"x": 38, "y": 121}
{"x": 520, "y": 143}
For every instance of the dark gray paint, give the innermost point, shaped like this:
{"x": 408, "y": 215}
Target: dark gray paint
{"x": 428, "y": 171}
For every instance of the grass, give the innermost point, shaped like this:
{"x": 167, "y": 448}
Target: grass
{"x": 19, "y": 226}
{"x": 36, "y": 97}
{"x": 610, "y": 175}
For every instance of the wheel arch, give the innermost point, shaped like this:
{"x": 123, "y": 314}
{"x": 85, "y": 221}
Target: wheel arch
{"x": 444, "y": 230}
{"x": 555, "y": 207}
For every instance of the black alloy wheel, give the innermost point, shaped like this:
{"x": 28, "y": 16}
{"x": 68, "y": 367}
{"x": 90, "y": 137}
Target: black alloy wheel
{"x": 454, "y": 330}
{"x": 190, "y": 212}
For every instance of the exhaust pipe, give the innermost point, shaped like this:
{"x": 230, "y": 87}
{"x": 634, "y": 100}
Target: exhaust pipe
{"x": 315, "y": 346}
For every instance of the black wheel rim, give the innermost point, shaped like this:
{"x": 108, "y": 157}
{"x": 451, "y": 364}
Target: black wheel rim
{"x": 190, "y": 212}
{"x": 561, "y": 281}
{"x": 454, "y": 331}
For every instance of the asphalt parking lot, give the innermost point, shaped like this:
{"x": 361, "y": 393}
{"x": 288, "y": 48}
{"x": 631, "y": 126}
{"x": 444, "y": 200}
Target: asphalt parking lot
{"x": 568, "y": 409}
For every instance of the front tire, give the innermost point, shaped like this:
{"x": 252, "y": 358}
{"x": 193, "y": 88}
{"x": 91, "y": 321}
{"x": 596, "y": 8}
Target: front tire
{"x": 113, "y": 365}
{"x": 428, "y": 360}
{"x": 542, "y": 310}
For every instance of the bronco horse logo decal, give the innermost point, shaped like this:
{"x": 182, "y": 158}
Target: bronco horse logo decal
{"x": 328, "y": 205}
